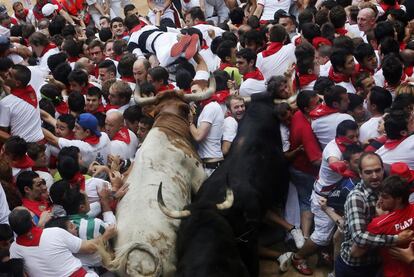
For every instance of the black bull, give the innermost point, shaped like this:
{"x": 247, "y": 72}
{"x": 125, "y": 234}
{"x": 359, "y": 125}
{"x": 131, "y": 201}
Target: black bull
{"x": 257, "y": 173}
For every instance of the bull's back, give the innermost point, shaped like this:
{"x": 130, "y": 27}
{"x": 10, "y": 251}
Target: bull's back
{"x": 141, "y": 223}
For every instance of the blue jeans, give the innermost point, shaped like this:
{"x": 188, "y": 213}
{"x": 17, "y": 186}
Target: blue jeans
{"x": 344, "y": 270}
{"x": 304, "y": 185}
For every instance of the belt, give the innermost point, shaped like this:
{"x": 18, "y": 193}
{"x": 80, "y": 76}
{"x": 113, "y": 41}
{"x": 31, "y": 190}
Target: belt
{"x": 325, "y": 190}
{"x": 212, "y": 165}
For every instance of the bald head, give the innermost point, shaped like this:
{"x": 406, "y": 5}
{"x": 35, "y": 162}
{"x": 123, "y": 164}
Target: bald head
{"x": 140, "y": 70}
{"x": 114, "y": 121}
{"x": 366, "y": 19}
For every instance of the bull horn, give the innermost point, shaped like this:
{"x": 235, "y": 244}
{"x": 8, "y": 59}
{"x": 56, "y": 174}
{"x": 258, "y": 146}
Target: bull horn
{"x": 142, "y": 101}
{"x": 228, "y": 202}
{"x": 168, "y": 212}
{"x": 203, "y": 94}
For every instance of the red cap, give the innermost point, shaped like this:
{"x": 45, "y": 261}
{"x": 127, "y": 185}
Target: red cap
{"x": 401, "y": 169}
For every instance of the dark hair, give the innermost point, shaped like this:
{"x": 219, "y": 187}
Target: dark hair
{"x": 247, "y": 54}
{"x": 389, "y": 46}
{"x": 306, "y": 16}
{"x": 334, "y": 95}
{"x": 323, "y": 84}
{"x": 396, "y": 187}
{"x": 71, "y": 47}
{"x": 62, "y": 72}
{"x": 5, "y": 63}
{"x": 79, "y": 76}
{"x": 383, "y": 29}
{"x": 328, "y": 31}
{"x": 72, "y": 199}
{"x": 133, "y": 113}
{"x": 147, "y": 121}
{"x": 22, "y": 74}
{"x": 363, "y": 50}
{"x": 350, "y": 150}
{"x": 224, "y": 49}
{"x": 127, "y": 8}
{"x": 105, "y": 34}
{"x": 215, "y": 43}
{"x": 76, "y": 102}
{"x": 322, "y": 17}
{"x": 303, "y": 99}
{"x": 345, "y": 126}
{"x": 57, "y": 191}
{"x": 381, "y": 98}
{"x": 25, "y": 179}
{"x": 183, "y": 79}
{"x": 56, "y": 25}
{"x": 159, "y": 73}
{"x": 54, "y": 60}
{"x": 38, "y": 39}
{"x": 273, "y": 85}
{"x": 236, "y": 15}
{"x": 119, "y": 47}
{"x": 392, "y": 69}
{"x": 396, "y": 122}
{"x": 253, "y": 21}
{"x": 68, "y": 119}
{"x": 221, "y": 77}
{"x": 310, "y": 31}
{"x": 254, "y": 36}
{"x": 34, "y": 150}
{"x": 20, "y": 221}
{"x": 58, "y": 222}
{"x": 16, "y": 147}
{"x": 402, "y": 101}
{"x": 115, "y": 19}
{"x": 344, "y": 42}
{"x": 67, "y": 166}
{"x": 227, "y": 35}
{"x": 94, "y": 91}
{"x": 147, "y": 89}
{"x": 196, "y": 13}
{"x": 305, "y": 54}
{"x": 400, "y": 29}
{"x": 338, "y": 58}
{"x": 6, "y": 232}
{"x": 125, "y": 65}
{"x": 16, "y": 31}
{"x": 278, "y": 33}
{"x": 355, "y": 100}
{"x": 337, "y": 16}
{"x": 109, "y": 65}
{"x": 131, "y": 21}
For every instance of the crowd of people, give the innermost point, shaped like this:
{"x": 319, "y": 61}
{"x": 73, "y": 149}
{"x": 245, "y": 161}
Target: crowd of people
{"x": 341, "y": 74}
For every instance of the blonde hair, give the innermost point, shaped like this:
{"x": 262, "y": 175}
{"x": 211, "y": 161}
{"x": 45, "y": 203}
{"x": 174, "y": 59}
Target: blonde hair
{"x": 406, "y": 88}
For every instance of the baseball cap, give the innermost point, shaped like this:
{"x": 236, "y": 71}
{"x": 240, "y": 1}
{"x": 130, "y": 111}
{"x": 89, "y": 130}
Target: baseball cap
{"x": 89, "y": 121}
{"x": 4, "y": 43}
{"x": 401, "y": 169}
{"x": 48, "y": 9}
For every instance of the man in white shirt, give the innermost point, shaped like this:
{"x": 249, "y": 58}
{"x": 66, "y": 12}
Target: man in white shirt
{"x": 120, "y": 95}
{"x": 23, "y": 15}
{"x": 43, "y": 49}
{"x": 208, "y": 134}
{"x": 378, "y": 100}
{"x": 124, "y": 142}
{"x": 366, "y": 21}
{"x": 277, "y": 57}
{"x": 236, "y": 107}
{"x": 19, "y": 110}
{"x": 266, "y": 9}
{"x": 253, "y": 80}
{"x": 38, "y": 247}
{"x": 327, "y": 116}
{"x": 343, "y": 67}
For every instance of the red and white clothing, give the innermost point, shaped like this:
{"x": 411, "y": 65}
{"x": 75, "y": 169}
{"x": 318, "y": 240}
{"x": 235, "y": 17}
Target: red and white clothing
{"x": 50, "y": 244}
{"x": 306, "y": 81}
{"x": 341, "y": 80}
{"x": 324, "y": 123}
{"x": 393, "y": 223}
{"x": 203, "y": 27}
{"x": 271, "y": 6}
{"x": 398, "y": 151}
{"x": 49, "y": 50}
{"x": 23, "y": 164}
{"x": 369, "y": 129}
{"x": 95, "y": 150}
{"x": 276, "y": 59}
{"x": 124, "y": 144}
{"x": 253, "y": 82}
{"x": 22, "y": 114}
{"x": 29, "y": 18}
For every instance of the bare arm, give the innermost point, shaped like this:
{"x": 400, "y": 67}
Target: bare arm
{"x": 258, "y": 11}
{"x": 89, "y": 246}
{"x": 48, "y": 118}
{"x": 66, "y": 16}
{"x": 50, "y": 138}
{"x": 3, "y": 135}
{"x": 225, "y": 147}
{"x": 151, "y": 5}
{"x": 201, "y": 63}
{"x": 200, "y": 133}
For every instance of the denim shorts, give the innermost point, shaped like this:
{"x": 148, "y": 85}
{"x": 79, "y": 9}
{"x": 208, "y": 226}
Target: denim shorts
{"x": 304, "y": 185}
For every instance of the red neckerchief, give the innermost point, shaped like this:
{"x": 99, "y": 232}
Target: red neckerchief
{"x": 204, "y": 45}
{"x": 202, "y": 23}
{"x": 62, "y": 108}
{"x": 138, "y": 27}
{"x": 25, "y": 162}
{"x": 272, "y": 48}
{"x": 166, "y": 87}
{"x": 306, "y": 79}
{"x": 403, "y": 45}
{"x": 110, "y": 107}
{"x": 47, "y": 48}
{"x": 338, "y": 77}
{"x": 92, "y": 139}
{"x": 31, "y": 238}
{"x": 341, "y": 31}
{"x": 26, "y": 94}
{"x": 128, "y": 79}
{"x": 390, "y": 144}
{"x": 342, "y": 143}
{"x": 409, "y": 71}
{"x": 25, "y": 12}
{"x": 359, "y": 69}
{"x": 96, "y": 71}
{"x": 256, "y": 74}
{"x": 36, "y": 207}
{"x": 322, "y": 110}
{"x": 220, "y": 96}
{"x": 43, "y": 169}
{"x": 318, "y": 41}
{"x": 224, "y": 65}
{"x": 375, "y": 144}
{"x": 78, "y": 179}
{"x": 73, "y": 59}
{"x": 122, "y": 135}
{"x": 298, "y": 40}
{"x": 387, "y": 7}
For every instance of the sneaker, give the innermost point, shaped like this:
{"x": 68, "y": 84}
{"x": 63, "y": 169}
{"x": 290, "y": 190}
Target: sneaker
{"x": 298, "y": 237}
{"x": 192, "y": 47}
{"x": 331, "y": 274}
{"x": 284, "y": 261}
{"x": 180, "y": 46}
{"x": 301, "y": 266}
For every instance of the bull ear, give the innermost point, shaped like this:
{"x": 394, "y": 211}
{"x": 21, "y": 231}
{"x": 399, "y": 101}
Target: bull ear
{"x": 228, "y": 202}
{"x": 142, "y": 101}
{"x": 204, "y": 94}
{"x": 168, "y": 212}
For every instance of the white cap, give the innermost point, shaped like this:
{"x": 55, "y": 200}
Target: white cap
{"x": 48, "y": 9}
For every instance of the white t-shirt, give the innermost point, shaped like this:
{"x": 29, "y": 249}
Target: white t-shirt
{"x": 278, "y": 63}
{"x": 98, "y": 152}
{"x": 52, "y": 257}
{"x": 229, "y": 129}
{"x": 379, "y": 78}
{"x": 324, "y": 127}
{"x": 124, "y": 150}
{"x": 210, "y": 146}
{"x": 22, "y": 117}
{"x": 204, "y": 28}
{"x": 327, "y": 176}
{"x": 402, "y": 153}
{"x": 271, "y": 6}
{"x": 324, "y": 69}
{"x": 251, "y": 86}
{"x": 348, "y": 86}
{"x": 43, "y": 60}
{"x": 368, "y": 130}
{"x": 4, "y": 207}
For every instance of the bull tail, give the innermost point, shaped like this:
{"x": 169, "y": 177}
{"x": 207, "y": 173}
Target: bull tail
{"x": 135, "y": 259}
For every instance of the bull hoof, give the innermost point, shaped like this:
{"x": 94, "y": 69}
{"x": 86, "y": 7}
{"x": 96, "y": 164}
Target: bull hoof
{"x": 143, "y": 262}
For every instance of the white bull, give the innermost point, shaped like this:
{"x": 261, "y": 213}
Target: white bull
{"x": 145, "y": 245}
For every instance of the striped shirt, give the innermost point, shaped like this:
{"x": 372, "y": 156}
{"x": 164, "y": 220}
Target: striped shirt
{"x": 88, "y": 227}
{"x": 359, "y": 211}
